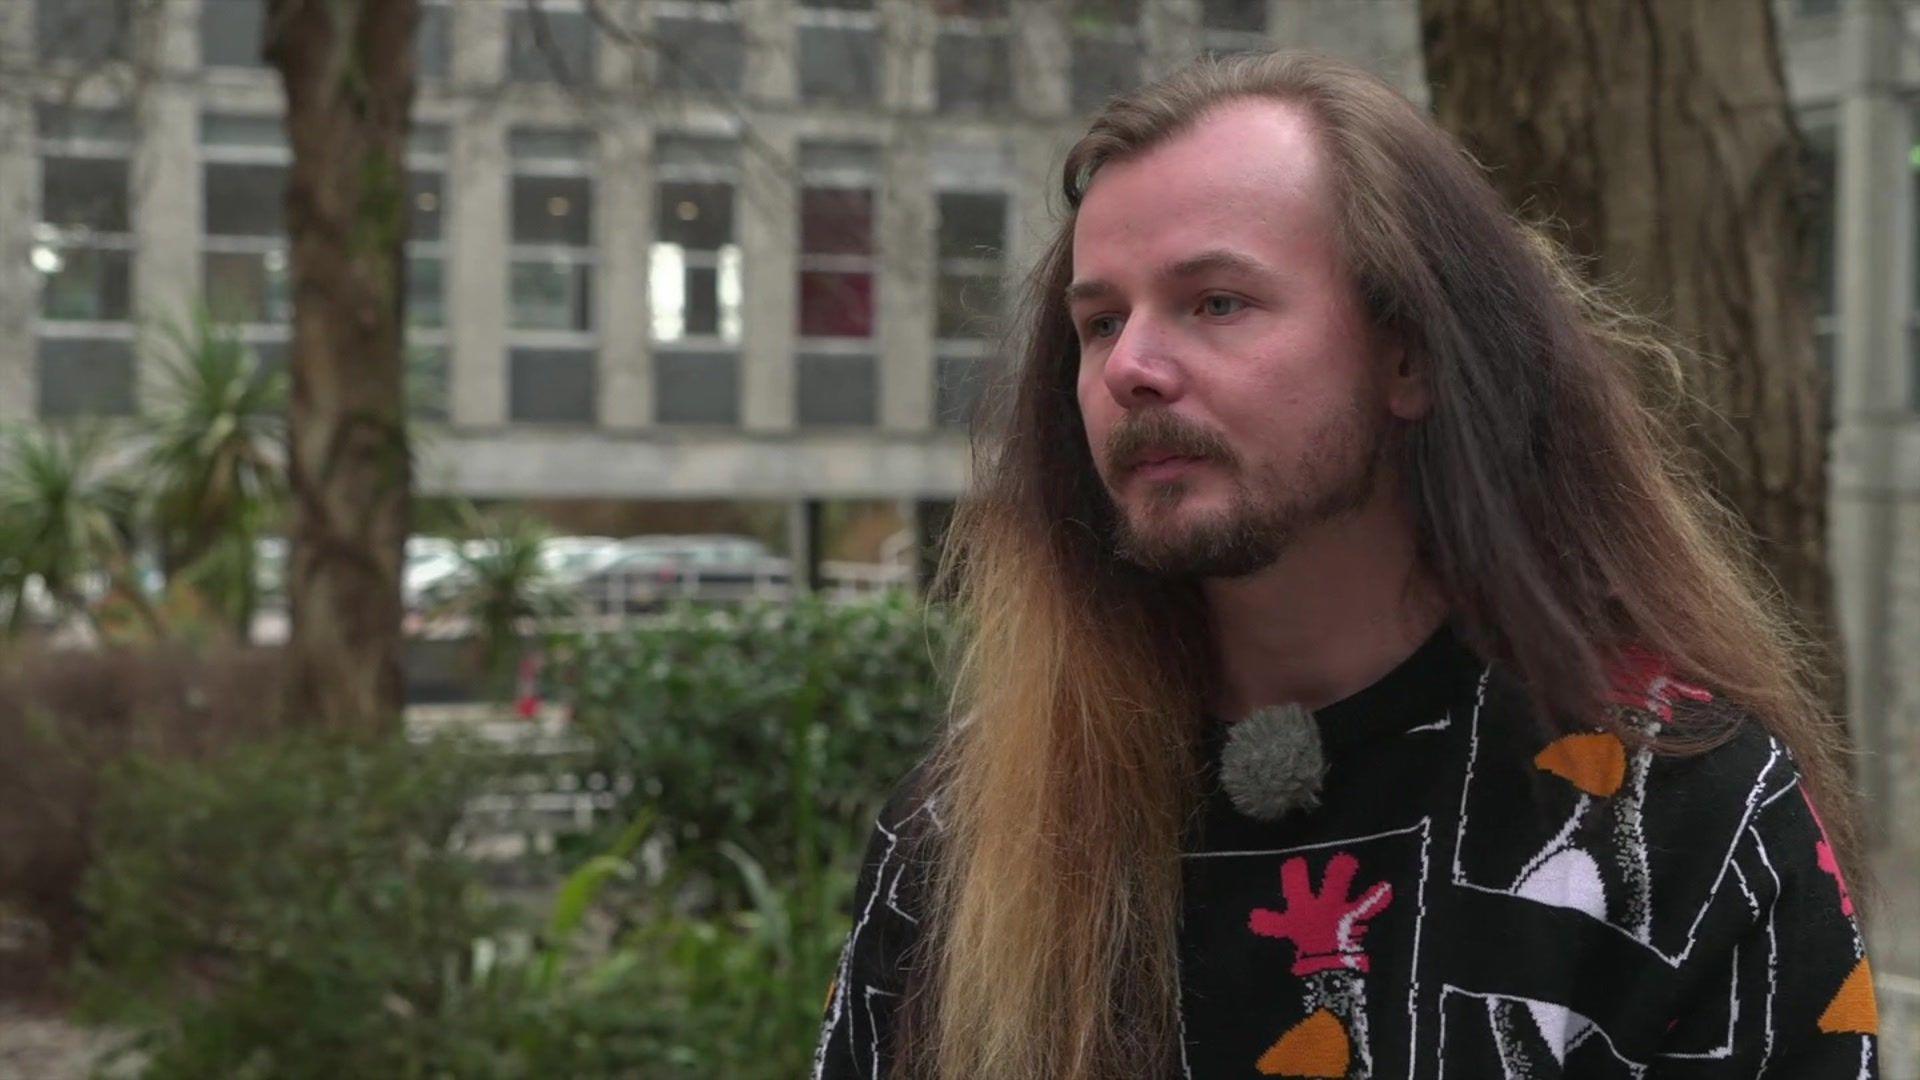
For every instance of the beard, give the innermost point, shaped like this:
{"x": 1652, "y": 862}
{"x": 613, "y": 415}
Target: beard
{"x": 1268, "y": 509}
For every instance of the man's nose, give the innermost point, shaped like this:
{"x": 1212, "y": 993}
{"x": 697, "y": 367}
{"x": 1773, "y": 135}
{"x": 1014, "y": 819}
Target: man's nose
{"x": 1140, "y": 368}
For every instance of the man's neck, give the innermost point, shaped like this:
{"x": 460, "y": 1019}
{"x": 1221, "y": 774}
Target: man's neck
{"x": 1346, "y": 603}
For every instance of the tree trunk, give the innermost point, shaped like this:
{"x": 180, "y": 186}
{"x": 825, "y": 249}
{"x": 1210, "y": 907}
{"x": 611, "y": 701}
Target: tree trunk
{"x": 1656, "y": 138}
{"x": 348, "y": 70}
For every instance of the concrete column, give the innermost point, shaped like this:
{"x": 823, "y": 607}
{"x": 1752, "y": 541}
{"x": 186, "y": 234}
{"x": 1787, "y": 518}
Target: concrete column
{"x": 1035, "y": 203}
{"x": 907, "y": 32}
{"x": 476, "y": 272}
{"x": 1041, "y": 45}
{"x": 476, "y": 223}
{"x": 769, "y": 231}
{"x": 906, "y": 283}
{"x": 166, "y": 197}
{"x": 19, "y": 211}
{"x": 624, "y": 227}
{"x": 773, "y": 61}
{"x": 1875, "y": 223}
{"x": 1172, "y": 32}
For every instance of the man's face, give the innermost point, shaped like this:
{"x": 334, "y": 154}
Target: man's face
{"x": 1233, "y": 394}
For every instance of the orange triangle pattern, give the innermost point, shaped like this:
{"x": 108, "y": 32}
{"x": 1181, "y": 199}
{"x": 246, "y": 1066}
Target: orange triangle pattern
{"x": 1853, "y": 1010}
{"x": 1594, "y": 763}
{"x": 1316, "y": 1046}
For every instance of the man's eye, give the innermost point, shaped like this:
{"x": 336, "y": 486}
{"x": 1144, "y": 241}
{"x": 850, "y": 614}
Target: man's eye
{"x": 1103, "y": 325}
{"x": 1220, "y": 305}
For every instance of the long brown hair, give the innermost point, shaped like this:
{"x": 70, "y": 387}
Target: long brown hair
{"x": 1067, "y": 776}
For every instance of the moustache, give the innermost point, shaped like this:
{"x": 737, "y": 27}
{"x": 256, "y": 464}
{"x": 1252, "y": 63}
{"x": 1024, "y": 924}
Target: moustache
{"x": 1161, "y": 434}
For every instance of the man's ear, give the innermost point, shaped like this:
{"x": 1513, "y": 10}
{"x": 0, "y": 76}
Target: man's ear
{"x": 1409, "y": 391}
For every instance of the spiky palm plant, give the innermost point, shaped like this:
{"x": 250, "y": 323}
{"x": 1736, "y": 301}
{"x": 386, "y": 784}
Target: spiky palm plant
{"x": 68, "y": 508}
{"x": 502, "y": 582}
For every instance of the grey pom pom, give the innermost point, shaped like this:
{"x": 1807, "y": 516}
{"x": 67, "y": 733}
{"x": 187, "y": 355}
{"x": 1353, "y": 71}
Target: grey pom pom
{"x": 1272, "y": 764}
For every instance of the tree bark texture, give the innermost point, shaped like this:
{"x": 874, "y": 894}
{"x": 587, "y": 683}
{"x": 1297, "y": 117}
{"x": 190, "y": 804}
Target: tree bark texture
{"x": 347, "y": 66}
{"x": 1655, "y": 138}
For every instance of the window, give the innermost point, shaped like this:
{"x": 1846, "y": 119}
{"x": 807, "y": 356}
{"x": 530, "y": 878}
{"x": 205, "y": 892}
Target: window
{"x": 694, "y": 281}
{"x": 837, "y": 383}
{"x": 971, "y": 249}
{"x": 551, "y": 276}
{"x": 244, "y": 267}
{"x": 839, "y": 47}
{"x": 231, "y": 32}
{"x": 697, "y": 48}
{"x": 85, "y": 31}
{"x": 970, "y": 56}
{"x": 1245, "y": 16}
{"x": 83, "y": 253}
{"x": 551, "y": 41}
{"x": 1232, "y": 26}
{"x": 433, "y": 40}
{"x": 1106, "y": 50}
{"x": 426, "y": 255}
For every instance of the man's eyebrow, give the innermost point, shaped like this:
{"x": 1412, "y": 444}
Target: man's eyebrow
{"x": 1192, "y": 266}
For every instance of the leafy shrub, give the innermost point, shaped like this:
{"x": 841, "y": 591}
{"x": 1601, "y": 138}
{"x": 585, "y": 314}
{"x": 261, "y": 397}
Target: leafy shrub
{"x": 288, "y": 909}
{"x": 779, "y": 728}
{"x": 65, "y": 714}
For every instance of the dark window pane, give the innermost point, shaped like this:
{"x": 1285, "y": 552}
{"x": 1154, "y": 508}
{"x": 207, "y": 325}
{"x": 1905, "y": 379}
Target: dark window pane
{"x": 428, "y": 382}
{"x": 424, "y": 197}
{"x": 551, "y": 296}
{"x": 549, "y": 45}
{"x": 71, "y": 122}
{"x": 553, "y": 210}
{"x": 836, "y": 304}
{"x": 837, "y": 390}
{"x": 839, "y": 5}
{"x": 1812, "y": 8}
{"x": 839, "y": 63}
{"x": 231, "y": 32}
{"x": 85, "y": 378}
{"x": 958, "y": 381}
{"x": 426, "y": 293}
{"x": 1248, "y": 15}
{"x": 1102, "y": 69}
{"x": 79, "y": 283}
{"x": 696, "y": 388}
{"x": 971, "y": 72}
{"x": 698, "y": 56}
{"x": 248, "y": 287}
{"x": 84, "y": 30}
{"x": 966, "y": 306}
{"x": 702, "y": 312}
{"x": 973, "y": 9}
{"x": 1822, "y": 190}
{"x": 836, "y": 221}
{"x": 972, "y": 226}
{"x": 696, "y": 216}
{"x": 433, "y": 41}
{"x": 551, "y": 386}
{"x": 84, "y": 193}
{"x": 245, "y": 200}
{"x": 273, "y": 360}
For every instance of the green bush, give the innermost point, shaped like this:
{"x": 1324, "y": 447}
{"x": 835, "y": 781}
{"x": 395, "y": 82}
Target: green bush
{"x": 290, "y": 909}
{"x": 778, "y": 728}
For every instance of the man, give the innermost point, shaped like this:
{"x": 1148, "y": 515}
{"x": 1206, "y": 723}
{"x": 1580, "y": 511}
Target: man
{"x": 1304, "y": 418}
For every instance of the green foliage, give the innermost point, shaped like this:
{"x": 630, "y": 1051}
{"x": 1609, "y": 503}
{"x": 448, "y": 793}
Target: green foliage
{"x": 779, "y": 727}
{"x": 289, "y": 909}
{"x": 66, "y": 512}
{"x": 216, "y": 440}
{"x": 503, "y": 582}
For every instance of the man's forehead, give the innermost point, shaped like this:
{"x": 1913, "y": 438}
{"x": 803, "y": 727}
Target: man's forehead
{"x": 1260, "y": 145}
{"x": 1245, "y": 179}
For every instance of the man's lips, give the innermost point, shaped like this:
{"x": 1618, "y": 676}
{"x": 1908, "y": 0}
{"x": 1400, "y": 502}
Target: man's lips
{"x": 1154, "y": 465}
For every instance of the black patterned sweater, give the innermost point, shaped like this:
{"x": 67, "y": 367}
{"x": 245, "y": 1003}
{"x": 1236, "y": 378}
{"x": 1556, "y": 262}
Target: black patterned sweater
{"x": 1474, "y": 898}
